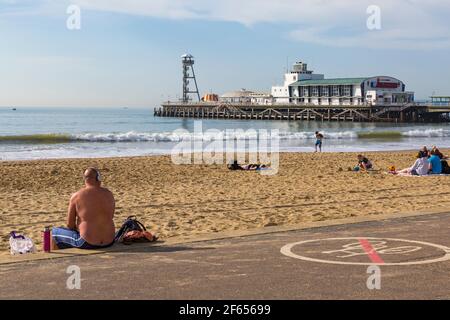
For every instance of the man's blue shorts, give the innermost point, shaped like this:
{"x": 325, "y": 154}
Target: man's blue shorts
{"x": 67, "y": 238}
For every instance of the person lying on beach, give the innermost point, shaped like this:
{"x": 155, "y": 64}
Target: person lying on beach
{"x": 364, "y": 163}
{"x": 419, "y": 168}
{"x": 90, "y": 215}
{"x": 235, "y": 166}
{"x": 251, "y": 167}
{"x": 434, "y": 163}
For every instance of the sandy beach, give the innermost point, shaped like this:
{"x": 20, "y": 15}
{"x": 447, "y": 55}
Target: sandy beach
{"x": 191, "y": 200}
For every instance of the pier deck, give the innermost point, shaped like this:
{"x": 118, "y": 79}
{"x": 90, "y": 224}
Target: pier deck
{"x": 411, "y": 112}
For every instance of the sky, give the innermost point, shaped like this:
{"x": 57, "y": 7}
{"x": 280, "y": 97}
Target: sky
{"x": 127, "y": 52}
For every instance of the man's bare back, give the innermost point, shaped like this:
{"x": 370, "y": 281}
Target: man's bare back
{"x": 90, "y": 223}
{"x": 91, "y": 211}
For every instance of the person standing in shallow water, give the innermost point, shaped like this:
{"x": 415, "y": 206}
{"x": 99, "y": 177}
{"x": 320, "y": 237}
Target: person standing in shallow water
{"x": 319, "y": 140}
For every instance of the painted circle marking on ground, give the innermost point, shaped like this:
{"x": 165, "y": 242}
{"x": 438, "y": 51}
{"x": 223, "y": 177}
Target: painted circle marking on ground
{"x": 287, "y": 251}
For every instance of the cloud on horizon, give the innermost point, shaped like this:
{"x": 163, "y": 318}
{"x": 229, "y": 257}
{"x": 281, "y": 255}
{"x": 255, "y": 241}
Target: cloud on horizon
{"x": 406, "y": 24}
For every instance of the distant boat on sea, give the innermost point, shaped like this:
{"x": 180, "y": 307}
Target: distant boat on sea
{"x": 14, "y": 109}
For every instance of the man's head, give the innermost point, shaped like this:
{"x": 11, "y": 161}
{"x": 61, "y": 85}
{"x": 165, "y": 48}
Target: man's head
{"x": 92, "y": 177}
{"x": 360, "y": 157}
{"x": 436, "y": 150}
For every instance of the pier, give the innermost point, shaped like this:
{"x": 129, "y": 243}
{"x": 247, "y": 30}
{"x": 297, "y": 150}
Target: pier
{"x": 307, "y": 96}
{"x": 396, "y": 113}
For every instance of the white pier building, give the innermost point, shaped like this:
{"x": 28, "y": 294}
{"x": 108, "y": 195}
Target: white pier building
{"x": 302, "y": 86}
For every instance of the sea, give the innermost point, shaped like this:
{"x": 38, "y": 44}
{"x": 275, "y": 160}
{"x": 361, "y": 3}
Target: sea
{"x": 54, "y": 133}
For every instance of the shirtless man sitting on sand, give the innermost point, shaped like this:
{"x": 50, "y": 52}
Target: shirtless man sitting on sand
{"x": 90, "y": 222}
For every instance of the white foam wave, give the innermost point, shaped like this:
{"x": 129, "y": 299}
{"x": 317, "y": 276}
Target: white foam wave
{"x": 427, "y": 133}
{"x": 205, "y": 136}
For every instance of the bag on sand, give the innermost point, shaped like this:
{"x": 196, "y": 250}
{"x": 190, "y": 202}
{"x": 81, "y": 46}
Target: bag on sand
{"x": 20, "y": 244}
{"x": 133, "y": 231}
{"x": 138, "y": 236}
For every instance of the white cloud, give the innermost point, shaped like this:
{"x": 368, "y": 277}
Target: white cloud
{"x": 410, "y": 24}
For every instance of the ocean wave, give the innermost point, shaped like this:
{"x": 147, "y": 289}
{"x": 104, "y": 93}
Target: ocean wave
{"x": 418, "y": 133}
{"x": 380, "y": 135}
{"x": 38, "y": 138}
{"x": 217, "y": 135}
{"x": 427, "y": 133}
{"x": 207, "y": 136}
{"x": 170, "y": 136}
{"x": 254, "y": 135}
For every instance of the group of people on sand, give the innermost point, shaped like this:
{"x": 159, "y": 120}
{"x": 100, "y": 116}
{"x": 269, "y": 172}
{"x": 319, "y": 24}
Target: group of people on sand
{"x": 428, "y": 161}
{"x": 90, "y": 223}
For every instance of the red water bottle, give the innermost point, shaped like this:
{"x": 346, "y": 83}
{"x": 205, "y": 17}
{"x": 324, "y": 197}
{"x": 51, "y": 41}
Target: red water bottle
{"x": 46, "y": 238}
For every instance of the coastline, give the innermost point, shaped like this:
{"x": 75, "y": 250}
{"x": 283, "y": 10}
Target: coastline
{"x": 197, "y": 200}
{"x": 167, "y": 153}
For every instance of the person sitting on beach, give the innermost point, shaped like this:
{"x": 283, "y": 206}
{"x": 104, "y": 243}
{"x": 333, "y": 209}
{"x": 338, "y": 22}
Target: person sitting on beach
{"x": 364, "y": 163}
{"x": 319, "y": 141}
{"x": 438, "y": 153}
{"x": 444, "y": 163}
{"x": 90, "y": 222}
{"x": 419, "y": 168}
{"x": 434, "y": 163}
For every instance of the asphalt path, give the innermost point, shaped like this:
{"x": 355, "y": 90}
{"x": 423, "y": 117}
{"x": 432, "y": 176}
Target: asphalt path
{"x": 405, "y": 258}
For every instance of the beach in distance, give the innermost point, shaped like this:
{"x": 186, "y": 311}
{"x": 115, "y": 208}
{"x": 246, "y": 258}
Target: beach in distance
{"x": 193, "y": 200}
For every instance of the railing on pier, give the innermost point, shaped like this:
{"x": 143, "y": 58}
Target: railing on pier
{"x": 395, "y": 112}
{"x": 440, "y": 104}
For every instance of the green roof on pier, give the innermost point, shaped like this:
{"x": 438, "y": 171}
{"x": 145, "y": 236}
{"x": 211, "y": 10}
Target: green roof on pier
{"x": 329, "y": 82}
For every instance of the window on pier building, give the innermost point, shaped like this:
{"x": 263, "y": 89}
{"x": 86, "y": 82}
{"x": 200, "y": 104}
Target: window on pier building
{"x": 347, "y": 91}
{"x": 335, "y": 91}
{"x": 315, "y": 91}
{"x": 324, "y": 91}
{"x": 304, "y": 91}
